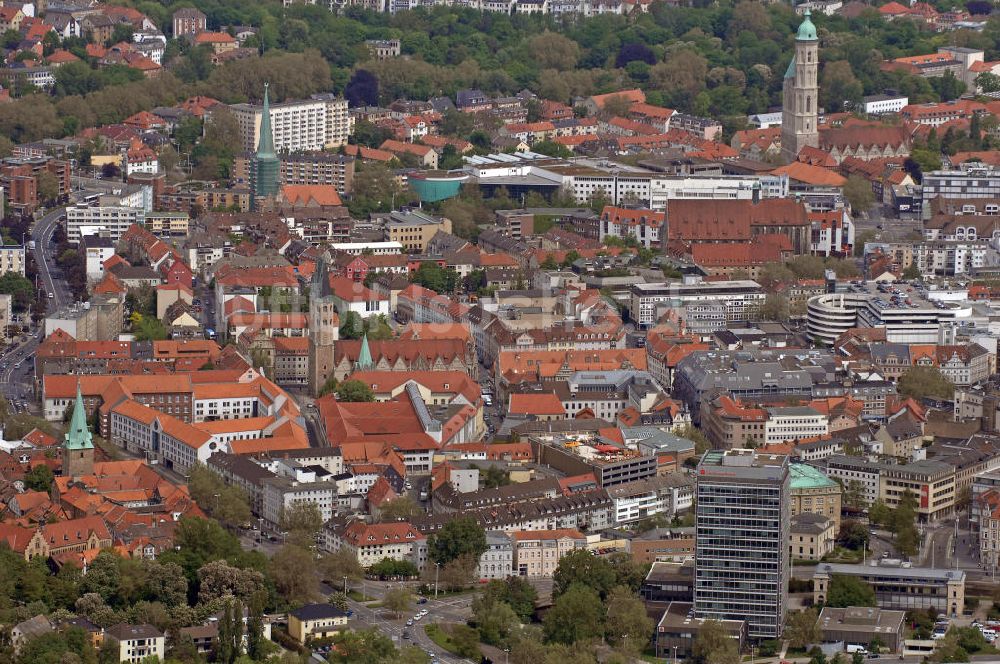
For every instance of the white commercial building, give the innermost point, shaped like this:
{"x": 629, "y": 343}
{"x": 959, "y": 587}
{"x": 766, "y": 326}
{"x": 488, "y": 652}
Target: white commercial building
{"x": 791, "y": 423}
{"x": 741, "y": 299}
{"x": 304, "y": 125}
{"x": 882, "y": 104}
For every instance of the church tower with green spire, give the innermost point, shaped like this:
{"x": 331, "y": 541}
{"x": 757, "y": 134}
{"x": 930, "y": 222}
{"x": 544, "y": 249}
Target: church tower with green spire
{"x": 266, "y": 166}
{"x": 78, "y": 443}
{"x": 365, "y": 362}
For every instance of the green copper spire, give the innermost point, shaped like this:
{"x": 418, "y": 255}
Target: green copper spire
{"x": 807, "y": 31}
{"x": 78, "y": 436}
{"x": 264, "y": 178}
{"x": 265, "y": 146}
{"x": 365, "y": 362}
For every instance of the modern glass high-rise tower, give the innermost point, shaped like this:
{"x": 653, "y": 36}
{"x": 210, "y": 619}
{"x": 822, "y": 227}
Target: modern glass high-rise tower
{"x": 742, "y": 560}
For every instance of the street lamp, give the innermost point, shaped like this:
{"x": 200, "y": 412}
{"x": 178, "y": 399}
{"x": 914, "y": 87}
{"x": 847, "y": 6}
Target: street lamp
{"x": 345, "y": 587}
{"x": 675, "y": 654}
{"x": 506, "y": 652}
{"x": 437, "y": 570}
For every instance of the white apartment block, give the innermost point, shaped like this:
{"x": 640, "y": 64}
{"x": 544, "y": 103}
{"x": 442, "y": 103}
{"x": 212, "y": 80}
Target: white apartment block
{"x": 786, "y": 424}
{"x": 280, "y": 494}
{"x": 304, "y": 125}
{"x": 109, "y": 220}
{"x": 12, "y": 259}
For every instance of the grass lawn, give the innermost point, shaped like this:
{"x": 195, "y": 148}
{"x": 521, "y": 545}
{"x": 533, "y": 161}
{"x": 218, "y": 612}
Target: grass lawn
{"x": 358, "y": 597}
{"x": 436, "y": 634}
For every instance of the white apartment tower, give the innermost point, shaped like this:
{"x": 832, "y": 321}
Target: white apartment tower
{"x": 799, "y": 111}
{"x": 303, "y": 125}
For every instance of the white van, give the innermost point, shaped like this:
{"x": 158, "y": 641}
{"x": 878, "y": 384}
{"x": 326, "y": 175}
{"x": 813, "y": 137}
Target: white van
{"x": 853, "y": 648}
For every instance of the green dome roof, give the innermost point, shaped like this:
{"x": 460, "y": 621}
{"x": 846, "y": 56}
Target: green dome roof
{"x": 807, "y": 31}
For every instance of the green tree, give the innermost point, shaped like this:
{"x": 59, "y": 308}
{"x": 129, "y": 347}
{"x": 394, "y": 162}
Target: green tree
{"x": 494, "y": 619}
{"x": 584, "y": 568}
{"x": 354, "y": 391}
{"x": 575, "y": 616}
{"x": 302, "y": 521}
{"x": 853, "y": 534}
{"x": 255, "y": 626}
{"x": 694, "y": 434}
{"x": 879, "y": 513}
{"x": 713, "y": 645}
{"x": 626, "y": 624}
{"x": 920, "y": 382}
{"x": 401, "y": 508}
{"x": 802, "y": 628}
{"x": 368, "y": 646}
{"x": 398, "y": 601}
{"x": 333, "y": 567}
{"x": 514, "y": 591}
{"x": 433, "y": 276}
{"x": 388, "y": 568}
{"x": 911, "y": 272}
{"x": 458, "y": 537}
{"x": 39, "y": 478}
{"x": 858, "y": 192}
{"x": 293, "y": 571}
{"x": 849, "y": 591}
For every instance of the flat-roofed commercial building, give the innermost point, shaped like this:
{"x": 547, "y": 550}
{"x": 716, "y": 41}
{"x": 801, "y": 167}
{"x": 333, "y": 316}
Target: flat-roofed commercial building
{"x": 861, "y": 625}
{"x": 742, "y": 298}
{"x": 742, "y": 561}
{"x": 901, "y": 588}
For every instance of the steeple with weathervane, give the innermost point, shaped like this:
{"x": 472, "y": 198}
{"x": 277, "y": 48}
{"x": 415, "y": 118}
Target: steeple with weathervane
{"x": 78, "y": 443}
{"x": 266, "y": 165}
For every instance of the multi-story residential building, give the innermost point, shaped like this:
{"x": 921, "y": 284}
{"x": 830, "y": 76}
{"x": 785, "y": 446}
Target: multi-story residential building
{"x": 322, "y": 168}
{"x": 99, "y": 319}
{"x": 973, "y": 180}
{"x": 742, "y": 561}
{"x": 370, "y": 543}
{"x": 640, "y": 499}
{"x": 811, "y": 536}
{"x": 646, "y": 226}
{"x": 497, "y": 562}
{"x": 304, "y": 125}
{"x": 188, "y": 22}
{"x": 414, "y": 229}
{"x": 537, "y": 552}
{"x": 12, "y": 259}
{"x": 610, "y": 465}
{"x": 109, "y": 220}
{"x": 136, "y": 643}
{"x": 279, "y": 494}
{"x": 383, "y": 49}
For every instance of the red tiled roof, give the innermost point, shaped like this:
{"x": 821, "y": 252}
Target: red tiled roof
{"x": 535, "y": 404}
